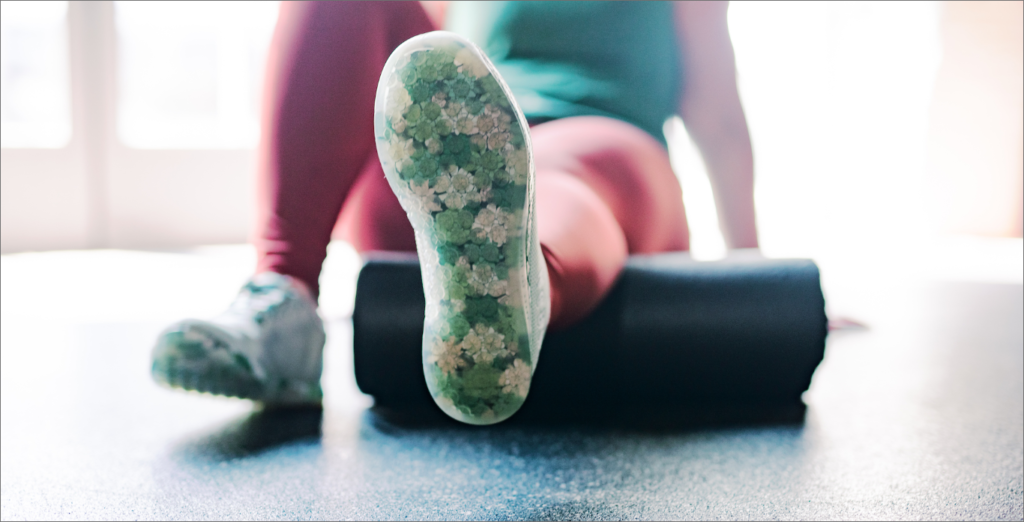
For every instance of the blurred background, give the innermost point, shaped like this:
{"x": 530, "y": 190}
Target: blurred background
{"x": 885, "y": 134}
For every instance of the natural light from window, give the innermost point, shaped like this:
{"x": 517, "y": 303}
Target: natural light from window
{"x": 189, "y": 73}
{"x": 35, "y": 99}
{"x": 837, "y": 97}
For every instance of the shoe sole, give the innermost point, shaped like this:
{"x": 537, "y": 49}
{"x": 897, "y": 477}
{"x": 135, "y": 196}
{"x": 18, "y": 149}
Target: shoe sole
{"x": 455, "y": 149}
{"x": 195, "y": 356}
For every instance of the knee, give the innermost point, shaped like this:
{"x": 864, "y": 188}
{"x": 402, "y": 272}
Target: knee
{"x": 584, "y": 247}
{"x": 595, "y": 141}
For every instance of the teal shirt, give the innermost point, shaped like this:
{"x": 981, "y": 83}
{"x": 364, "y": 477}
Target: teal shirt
{"x": 562, "y": 59}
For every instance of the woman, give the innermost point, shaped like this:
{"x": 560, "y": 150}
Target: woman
{"x": 594, "y": 81}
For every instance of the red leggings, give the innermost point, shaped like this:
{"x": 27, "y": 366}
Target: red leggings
{"x": 605, "y": 189}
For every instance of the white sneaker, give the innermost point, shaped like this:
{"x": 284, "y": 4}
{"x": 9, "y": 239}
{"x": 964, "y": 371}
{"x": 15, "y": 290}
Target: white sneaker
{"x": 268, "y": 347}
{"x": 456, "y": 151}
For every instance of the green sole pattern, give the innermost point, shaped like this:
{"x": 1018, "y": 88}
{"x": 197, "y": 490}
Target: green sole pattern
{"x": 192, "y": 359}
{"x": 453, "y": 147}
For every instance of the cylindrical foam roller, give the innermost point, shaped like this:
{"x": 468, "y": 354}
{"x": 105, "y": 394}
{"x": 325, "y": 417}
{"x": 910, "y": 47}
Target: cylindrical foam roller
{"x": 737, "y": 338}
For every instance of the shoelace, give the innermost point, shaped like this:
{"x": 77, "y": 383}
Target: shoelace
{"x": 259, "y": 301}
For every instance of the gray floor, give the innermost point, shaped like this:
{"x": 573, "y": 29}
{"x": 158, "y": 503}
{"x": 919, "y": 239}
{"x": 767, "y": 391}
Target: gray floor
{"x": 919, "y": 416}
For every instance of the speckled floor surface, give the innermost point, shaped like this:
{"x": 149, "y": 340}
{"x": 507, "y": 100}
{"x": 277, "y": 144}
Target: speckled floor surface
{"x": 921, "y": 416}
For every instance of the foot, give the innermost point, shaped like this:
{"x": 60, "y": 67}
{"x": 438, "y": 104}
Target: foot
{"x": 456, "y": 151}
{"x": 268, "y": 347}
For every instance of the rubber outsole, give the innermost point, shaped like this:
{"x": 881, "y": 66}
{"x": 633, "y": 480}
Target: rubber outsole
{"x": 191, "y": 358}
{"x": 455, "y": 150}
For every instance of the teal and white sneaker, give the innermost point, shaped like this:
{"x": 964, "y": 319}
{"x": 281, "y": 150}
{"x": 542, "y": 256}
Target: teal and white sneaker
{"x": 456, "y": 150}
{"x": 268, "y": 347}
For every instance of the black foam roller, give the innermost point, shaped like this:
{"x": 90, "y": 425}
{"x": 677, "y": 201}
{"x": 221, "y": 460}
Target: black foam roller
{"x": 737, "y": 338}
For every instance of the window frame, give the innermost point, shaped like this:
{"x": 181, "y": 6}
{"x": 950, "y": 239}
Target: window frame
{"x": 96, "y": 192}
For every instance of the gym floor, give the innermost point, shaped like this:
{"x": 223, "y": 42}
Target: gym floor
{"x": 918, "y": 416}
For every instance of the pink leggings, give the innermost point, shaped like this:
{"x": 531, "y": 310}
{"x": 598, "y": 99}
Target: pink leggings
{"x": 605, "y": 189}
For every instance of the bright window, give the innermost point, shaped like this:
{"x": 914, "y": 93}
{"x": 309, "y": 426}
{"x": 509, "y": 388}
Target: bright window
{"x": 35, "y": 99}
{"x": 189, "y": 73}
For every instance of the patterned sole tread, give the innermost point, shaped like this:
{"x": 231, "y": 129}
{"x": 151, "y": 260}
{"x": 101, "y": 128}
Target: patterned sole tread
{"x": 455, "y": 150}
{"x": 196, "y": 360}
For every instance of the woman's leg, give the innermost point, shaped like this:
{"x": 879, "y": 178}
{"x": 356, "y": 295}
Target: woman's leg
{"x": 605, "y": 189}
{"x": 492, "y": 234}
{"x": 322, "y": 77}
{"x": 372, "y": 218}
{"x": 318, "y": 136}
